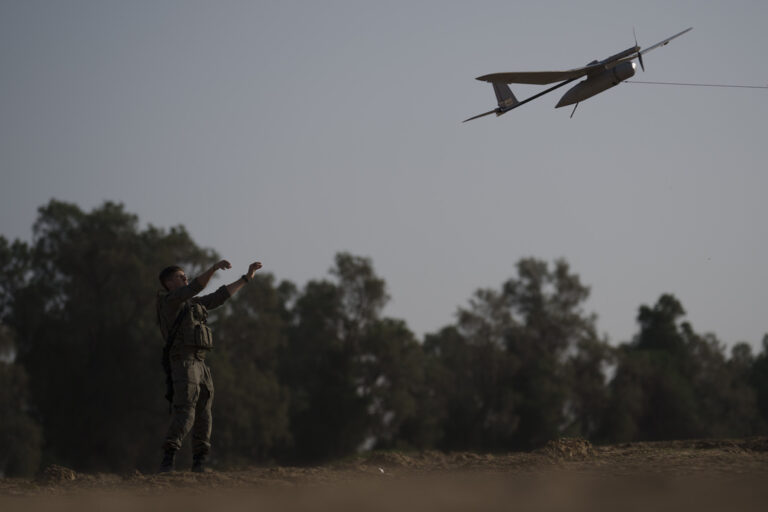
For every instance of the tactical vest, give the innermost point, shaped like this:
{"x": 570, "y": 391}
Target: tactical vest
{"x": 195, "y": 332}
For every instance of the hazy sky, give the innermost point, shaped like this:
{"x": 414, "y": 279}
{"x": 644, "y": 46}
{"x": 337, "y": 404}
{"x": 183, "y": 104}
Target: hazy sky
{"x": 288, "y": 131}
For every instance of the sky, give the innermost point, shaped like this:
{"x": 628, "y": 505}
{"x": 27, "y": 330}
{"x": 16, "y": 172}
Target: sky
{"x": 288, "y": 131}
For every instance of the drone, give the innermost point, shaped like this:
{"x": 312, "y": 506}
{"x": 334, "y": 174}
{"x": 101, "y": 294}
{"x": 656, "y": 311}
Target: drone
{"x": 601, "y": 76}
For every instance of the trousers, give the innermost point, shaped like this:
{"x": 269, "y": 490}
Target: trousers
{"x": 192, "y": 401}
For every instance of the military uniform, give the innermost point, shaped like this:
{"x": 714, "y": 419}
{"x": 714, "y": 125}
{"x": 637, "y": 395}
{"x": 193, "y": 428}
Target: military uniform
{"x": 192, "y": 383}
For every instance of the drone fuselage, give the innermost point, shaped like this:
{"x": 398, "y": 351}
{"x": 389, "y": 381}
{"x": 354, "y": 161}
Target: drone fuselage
{"x": 597, "y": 83}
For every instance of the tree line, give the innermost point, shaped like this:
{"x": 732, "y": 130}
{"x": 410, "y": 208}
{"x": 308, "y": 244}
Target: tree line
{"x": 309, "y": 374}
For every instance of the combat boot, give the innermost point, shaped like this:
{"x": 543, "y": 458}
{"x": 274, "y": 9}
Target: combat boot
{"x": 198, "y": 463}
{"x": 166, "y": 466}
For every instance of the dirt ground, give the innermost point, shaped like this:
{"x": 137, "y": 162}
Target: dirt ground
{"x": 568, "y": 474}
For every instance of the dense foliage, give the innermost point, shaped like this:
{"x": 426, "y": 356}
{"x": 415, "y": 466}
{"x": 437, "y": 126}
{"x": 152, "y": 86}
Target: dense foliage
{"x": 305, "y": 375}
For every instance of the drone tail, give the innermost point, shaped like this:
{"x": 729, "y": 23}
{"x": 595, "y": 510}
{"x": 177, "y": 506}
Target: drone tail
{"x": 504, "y": 96}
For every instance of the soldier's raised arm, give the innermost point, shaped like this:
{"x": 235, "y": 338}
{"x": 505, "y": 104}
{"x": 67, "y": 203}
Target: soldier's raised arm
{"x": 179, "y": 289}
{"x": 206, "y": 276}
{"x": 252, "y": 268}
{"x": 217, "y": 298}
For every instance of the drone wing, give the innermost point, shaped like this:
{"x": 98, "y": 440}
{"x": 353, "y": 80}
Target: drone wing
{"x": 548, "y": 77}
{"x": 652, "y": 47}
{"x": 665, "y": 42}
{"x": 535, "y": 77}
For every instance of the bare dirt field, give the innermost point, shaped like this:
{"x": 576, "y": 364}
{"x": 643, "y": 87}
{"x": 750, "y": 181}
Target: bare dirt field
{"x": 569, "y": 474}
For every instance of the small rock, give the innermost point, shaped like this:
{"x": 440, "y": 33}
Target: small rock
{"x": 56, "y": 474}
{"x": 566, "y": 448}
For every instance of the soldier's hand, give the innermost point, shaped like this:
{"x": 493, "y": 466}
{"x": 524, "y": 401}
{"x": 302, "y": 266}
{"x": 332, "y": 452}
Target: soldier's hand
{"x": 222, "y": 265}
{"x": 252, "y": 268}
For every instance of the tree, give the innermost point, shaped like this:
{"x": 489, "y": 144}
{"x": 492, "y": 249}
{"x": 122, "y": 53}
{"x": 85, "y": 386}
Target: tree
{"x": 758, "y": 380}
{"x": 353, "y": 376}
{"x": 14, "y": 268}
{"x": 673, "y": 383}
{"x": 20, "y": 435}
{"x": 550, "y": 326}
{"x": 651, "y": 396}
{"x": 327, "y": 415}
{"x": 585, "y": 373}
{"x": 393, "y": 376}
{"x": 471, "y": 386}
{"x": 526, "y": 362}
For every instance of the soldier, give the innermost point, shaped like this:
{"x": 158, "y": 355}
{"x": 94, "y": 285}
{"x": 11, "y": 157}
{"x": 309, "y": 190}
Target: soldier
{"x": 182, "y": 320}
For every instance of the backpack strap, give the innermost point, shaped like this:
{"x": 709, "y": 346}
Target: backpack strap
{"x": 176, "y": 325}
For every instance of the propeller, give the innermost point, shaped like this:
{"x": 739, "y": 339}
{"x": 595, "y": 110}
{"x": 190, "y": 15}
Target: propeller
{"x": 639, "y": 54}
